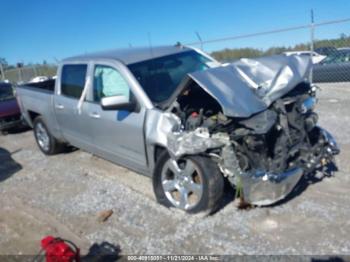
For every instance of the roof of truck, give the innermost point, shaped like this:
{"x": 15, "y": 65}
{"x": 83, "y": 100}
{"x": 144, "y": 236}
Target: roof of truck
{"x": 132, "y": 55}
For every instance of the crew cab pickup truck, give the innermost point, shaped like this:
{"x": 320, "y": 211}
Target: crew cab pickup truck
{"x": 175, "y": 114}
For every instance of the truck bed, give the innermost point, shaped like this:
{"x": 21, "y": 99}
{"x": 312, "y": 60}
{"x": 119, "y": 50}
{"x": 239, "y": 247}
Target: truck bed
{"x": 36, "y": 98}
{"x": 48, "y": 85}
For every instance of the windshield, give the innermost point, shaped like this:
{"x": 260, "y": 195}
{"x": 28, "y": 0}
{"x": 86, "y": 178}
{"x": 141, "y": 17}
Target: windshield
{"x": 159, "y": 77}
{"x": 6, "y": 92}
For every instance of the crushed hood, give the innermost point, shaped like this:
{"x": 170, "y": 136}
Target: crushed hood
{"x": 249, "y": 86}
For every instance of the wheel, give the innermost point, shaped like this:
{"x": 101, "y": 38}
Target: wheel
{"x": 46, "y": 142}
{"x": 193, "y": 183}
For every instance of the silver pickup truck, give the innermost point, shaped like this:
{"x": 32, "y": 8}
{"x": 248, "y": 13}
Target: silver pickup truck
{"x": 175, "y": 114}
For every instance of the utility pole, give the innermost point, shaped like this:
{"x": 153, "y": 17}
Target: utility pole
{"x": 2, "y": 72}
{"x": 312, "y": 30}
{"x": 312, "y": 39}
{"x": 35, "y": 71}
{"x": 19, "y": 68}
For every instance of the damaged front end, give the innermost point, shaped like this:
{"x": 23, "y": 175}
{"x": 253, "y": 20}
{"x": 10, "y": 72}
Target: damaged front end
{"x": 256, "y": 119}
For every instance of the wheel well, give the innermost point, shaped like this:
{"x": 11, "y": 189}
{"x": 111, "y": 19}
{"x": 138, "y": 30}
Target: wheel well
{"x": 158, "y": 150}
{"x": 33, "y": 115}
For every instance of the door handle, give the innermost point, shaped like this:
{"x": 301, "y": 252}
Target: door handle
{"x": 94, "y": 115}
{"x": 59, "y": 106}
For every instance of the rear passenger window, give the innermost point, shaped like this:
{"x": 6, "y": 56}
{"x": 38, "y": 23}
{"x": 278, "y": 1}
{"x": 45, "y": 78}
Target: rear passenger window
{"x": 73, "y": 80}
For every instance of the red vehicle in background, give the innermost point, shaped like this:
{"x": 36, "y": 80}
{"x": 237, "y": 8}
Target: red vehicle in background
{"x": 10, "y": 113}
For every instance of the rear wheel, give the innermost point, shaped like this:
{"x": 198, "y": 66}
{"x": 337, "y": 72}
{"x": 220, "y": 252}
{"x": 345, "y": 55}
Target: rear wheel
{"x": 46, "y": 142}
{"x": 193, "y": 183}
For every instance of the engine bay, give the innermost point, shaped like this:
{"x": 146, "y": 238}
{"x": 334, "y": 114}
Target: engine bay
{"x": 282, "y": 137}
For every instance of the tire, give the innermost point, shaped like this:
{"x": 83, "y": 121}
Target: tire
{"x": 170, "y": 189}
{"x": 45, "y": 141}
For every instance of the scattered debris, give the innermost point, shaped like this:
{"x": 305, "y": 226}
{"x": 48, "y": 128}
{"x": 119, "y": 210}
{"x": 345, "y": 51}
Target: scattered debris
{"x": 104, "y": 215}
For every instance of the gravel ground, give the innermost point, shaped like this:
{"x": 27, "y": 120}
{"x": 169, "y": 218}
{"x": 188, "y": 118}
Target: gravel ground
{"x": 63, "y": 194}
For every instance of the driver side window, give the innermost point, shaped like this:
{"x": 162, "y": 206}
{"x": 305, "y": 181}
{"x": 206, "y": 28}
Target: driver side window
{"x": 109, "y": 82}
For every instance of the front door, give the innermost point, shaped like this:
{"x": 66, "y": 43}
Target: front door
{"x": 116, "y": 134}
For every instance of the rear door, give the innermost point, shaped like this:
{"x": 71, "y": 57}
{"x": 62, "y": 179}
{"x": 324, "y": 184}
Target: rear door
{"x": 71, "y": 85}
{"x": 117, "y": 134}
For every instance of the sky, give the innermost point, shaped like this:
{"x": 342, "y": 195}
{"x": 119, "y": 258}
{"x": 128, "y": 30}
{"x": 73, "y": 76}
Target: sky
{"x": 33, "y": 31}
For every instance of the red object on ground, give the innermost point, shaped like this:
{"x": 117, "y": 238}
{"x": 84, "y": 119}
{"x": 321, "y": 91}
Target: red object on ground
{"x": 57, "y": 250}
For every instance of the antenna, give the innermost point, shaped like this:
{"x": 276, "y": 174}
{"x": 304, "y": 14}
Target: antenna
{"x": 200, "y": 39}
{"x": 150, "y": 43}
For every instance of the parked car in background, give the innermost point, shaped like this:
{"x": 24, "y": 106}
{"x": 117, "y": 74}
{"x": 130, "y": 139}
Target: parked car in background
{"x": 10, "y": 114}
{"x": 344, "y": 48}
{"x": 334, "y": 68}
{"x": 315, "y": 57}
{"x": 180, "y": 117}
{"x": 38, "y": 79}
{"x": 327, "y": 50}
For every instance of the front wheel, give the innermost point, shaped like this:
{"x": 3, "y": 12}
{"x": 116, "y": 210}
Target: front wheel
{"x": 193, "y": 183}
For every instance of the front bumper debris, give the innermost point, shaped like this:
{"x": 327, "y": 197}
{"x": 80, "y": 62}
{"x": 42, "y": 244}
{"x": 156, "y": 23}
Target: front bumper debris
{"x": 333, "y": 147}
{"x": 194, "y": 142}
{"x": 261, "y": 189}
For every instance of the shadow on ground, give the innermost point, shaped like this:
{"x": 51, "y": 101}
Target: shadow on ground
{"x": 102, "y": 252}
{"x": 331, "y": 259}
{"x": 16, "y": 130}
{"x": 8, "y": 166}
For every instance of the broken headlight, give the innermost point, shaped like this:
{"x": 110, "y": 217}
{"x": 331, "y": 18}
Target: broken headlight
{"x": 307, "y": 105}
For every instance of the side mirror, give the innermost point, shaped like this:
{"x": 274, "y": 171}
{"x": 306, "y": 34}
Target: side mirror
{"x": 119, "y": 102}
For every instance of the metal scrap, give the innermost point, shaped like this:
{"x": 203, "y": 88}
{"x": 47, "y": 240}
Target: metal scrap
{"x": 194, "y": 142}
{"x": 262, "y": 188}
{"x": 228, "y": 163}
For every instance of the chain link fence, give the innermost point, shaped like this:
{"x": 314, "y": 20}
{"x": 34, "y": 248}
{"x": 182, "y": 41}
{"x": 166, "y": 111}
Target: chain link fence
{"x": 28, "y": 73}
{"x": 326, "y": 43}
{"x": 335, "y": 66}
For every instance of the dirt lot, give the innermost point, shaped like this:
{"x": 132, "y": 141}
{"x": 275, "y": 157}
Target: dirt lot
{"x": 62, "y": 195}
